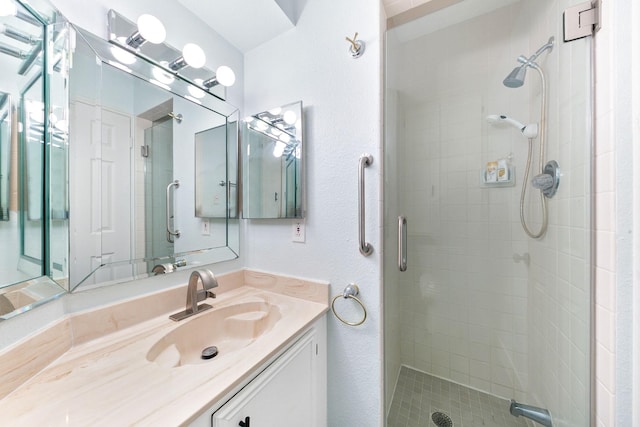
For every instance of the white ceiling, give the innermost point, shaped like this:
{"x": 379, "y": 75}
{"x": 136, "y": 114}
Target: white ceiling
{"x": 394, "y": 7}
{"x": 245, "y": 23}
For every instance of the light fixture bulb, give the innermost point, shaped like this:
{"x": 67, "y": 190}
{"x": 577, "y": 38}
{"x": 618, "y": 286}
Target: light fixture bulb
{"x": 62, "y": 125}
{"x": 278, "y": 150}
{"x": 275, "y": 111}
{"x": 285, "y": 138}
{"x": 225, "y": 76}
{"x": 8, "y": 8}
{"x": 289, "y": 117}
{"x": 194, "y": 55}
{"x": 151, "y": 28}
{"x": 196, "y": 92}
{"x": 122, "y": 55}
{"x": 161, "y": 75}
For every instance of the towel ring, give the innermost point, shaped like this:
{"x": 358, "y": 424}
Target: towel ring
{"x": 349, "y": 292}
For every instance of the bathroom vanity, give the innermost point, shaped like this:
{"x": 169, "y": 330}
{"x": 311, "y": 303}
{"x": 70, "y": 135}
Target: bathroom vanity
{"x": 129, "y": 364}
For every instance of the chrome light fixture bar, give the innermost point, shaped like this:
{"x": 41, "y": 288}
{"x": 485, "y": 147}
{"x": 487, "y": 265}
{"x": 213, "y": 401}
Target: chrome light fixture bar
{"x": 12, "y": 51}
{"x": 18, "y": 35}
{"x": 188, "y": 64}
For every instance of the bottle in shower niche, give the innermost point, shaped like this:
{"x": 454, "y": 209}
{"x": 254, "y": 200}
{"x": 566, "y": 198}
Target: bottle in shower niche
{"x": 502, "y": 171}
{"x": 491, "y": 173}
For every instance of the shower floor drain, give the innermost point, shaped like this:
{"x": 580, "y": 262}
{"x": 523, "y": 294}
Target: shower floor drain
{"x": 441, "y": 419}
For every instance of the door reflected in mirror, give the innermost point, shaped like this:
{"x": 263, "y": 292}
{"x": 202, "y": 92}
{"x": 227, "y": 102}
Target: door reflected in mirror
{"x": 272, "y": 163}
{"x": 133, "y": 188}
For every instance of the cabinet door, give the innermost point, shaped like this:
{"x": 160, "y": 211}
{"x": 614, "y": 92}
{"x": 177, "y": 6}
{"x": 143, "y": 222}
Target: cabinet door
{"x": 281, "y": 396}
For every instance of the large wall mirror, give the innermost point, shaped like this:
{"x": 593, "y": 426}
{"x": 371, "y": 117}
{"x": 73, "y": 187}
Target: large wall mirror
{"x": 33, "y": 151}
{"x": 272, "y": 163}
{"x": 153, "y": 169}
{"x": 111, "y": 168}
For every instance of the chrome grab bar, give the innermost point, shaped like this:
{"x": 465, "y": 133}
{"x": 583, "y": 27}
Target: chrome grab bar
{"x": 365, "y": 160}
{"x": 402, "y": 243}
{"x": 170, "y": 232}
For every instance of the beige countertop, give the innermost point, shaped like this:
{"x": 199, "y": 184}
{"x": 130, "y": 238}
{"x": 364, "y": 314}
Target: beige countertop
{"x": 108, "y": 380}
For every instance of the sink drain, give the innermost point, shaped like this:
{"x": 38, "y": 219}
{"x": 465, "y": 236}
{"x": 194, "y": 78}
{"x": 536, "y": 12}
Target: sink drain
{"x": 209, "y": 352}
{"x": 441, "y": 419}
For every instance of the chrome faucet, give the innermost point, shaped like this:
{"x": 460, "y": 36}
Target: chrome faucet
{"x": 194, "y": 295}
{"x": 168, "y": 267}
{"x": 539, "y": 415}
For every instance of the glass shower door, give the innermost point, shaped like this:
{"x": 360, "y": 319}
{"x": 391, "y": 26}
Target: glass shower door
{"x": 484, "y": 313}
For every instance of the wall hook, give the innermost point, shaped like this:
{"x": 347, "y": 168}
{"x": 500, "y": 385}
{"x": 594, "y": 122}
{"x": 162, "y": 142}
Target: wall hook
{"x": 357, "y": 46}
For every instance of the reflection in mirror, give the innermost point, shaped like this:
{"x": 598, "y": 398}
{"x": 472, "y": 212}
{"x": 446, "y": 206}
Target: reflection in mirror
{"x": 5, "y": 154}
{"x": 272, "y": 169}
{"x": 30, "y": 37}
{"x": 134, "y": 137}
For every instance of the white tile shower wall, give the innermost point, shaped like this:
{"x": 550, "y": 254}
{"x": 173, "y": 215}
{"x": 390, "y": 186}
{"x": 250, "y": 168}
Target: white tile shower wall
{"x": 559, "y": 273}
{"x": 478, "y": 317}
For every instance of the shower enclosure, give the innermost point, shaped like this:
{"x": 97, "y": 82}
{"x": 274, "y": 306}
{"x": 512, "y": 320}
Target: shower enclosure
{"x": 484, "y": 313}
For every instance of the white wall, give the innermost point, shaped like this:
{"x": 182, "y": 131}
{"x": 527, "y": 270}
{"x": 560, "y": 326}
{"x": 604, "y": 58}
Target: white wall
{"x": 341, "y": 98}
{"x": 617, "y": 382}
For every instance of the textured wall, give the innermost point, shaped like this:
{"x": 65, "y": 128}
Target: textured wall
{"x": 341, "y": 98}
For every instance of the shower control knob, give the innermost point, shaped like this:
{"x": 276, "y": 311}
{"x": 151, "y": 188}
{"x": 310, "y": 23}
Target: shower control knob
{"x": 542, "y": 181}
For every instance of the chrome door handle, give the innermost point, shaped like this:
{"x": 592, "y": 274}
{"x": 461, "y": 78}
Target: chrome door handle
{"x": 171, "y": 233}
{"x": 402, "y": 243}
{"x": 365, "y": 160}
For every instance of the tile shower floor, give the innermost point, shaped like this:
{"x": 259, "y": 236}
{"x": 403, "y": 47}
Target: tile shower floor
{"x": 418, "y": 395}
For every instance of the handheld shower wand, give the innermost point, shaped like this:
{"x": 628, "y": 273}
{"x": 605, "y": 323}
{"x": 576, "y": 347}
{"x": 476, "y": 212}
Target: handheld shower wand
{"x": 529, "y": 131}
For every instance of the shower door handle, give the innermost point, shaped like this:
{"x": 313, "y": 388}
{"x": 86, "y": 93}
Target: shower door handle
{"x": 365, "y": 248}
{"x": 170, "y": 232}
{"x": 402, "y": 243}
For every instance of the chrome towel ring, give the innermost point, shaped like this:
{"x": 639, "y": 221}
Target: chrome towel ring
{"x": 350, "y": 291}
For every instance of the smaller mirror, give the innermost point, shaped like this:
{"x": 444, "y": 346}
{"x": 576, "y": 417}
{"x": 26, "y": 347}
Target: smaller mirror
{"x": 272, "y": 163}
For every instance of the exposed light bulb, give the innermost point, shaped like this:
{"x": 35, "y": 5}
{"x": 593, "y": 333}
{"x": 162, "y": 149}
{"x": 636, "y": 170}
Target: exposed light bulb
{"x": 151, "y": 28}
{"x": 278, "y": 150}
{"x": 122, "y": 55}
{"x": 194, "y": 55}
{"x": 225, "y": 76}
{"x": 275, "y": 111}
{"x": 289, "y": 117}
{"x": 285, "y": 138}
{"x": 261, "y": 125}
{"x": 161, "y": 75}
{"x": 195, "y": 91}
{"x": 62, "y": 125}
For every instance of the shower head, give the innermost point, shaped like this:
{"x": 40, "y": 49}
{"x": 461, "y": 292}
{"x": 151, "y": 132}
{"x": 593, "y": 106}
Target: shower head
{"x": 529, "y": 131}
{"x": 516, "y": 77}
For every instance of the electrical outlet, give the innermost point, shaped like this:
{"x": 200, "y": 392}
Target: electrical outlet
{"x": 206, "y": 230}
{"x": 297, "y": 232}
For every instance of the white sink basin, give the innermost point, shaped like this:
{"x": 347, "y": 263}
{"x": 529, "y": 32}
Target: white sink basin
{"x": 228, "y": 328}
